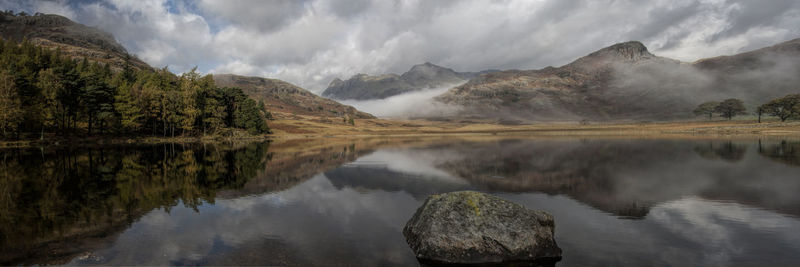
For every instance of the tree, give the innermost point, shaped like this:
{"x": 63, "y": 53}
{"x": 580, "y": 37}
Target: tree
{"x": 50, "y": 85}
{"x": 42, "y": 90}
{"x": 784, "y": 107}
{"x": 707, "y": 108}
{"x": 730, "y": 108}
{"x": 190, "y": 91}
{"x": 130, "y": 113}
{"x": 247, "y": 116}
{"x": 760, "y": 111}
{"x": 10, "y": 107}
{"x": 97, "y": 98}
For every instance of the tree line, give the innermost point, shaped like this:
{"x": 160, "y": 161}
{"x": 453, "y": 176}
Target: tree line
{"x": 43, "y": 91}
{"x": 787, "y": 107}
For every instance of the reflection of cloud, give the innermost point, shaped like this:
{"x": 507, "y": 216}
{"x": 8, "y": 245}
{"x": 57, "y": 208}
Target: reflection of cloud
{"x": 418, "y": 162}
{"x": 319, "y": 223}
{"x": 313, "y": 219}
{"x": 685, "y": 232}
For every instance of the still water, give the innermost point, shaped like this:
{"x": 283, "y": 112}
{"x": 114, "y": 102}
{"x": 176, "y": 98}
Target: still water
{"x": 616, "y": 202}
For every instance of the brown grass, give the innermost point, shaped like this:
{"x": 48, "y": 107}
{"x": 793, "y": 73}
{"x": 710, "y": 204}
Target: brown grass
{"x": 310, "y": 128}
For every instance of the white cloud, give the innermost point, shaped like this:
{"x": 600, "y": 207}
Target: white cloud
{"x": 408, "y": 105}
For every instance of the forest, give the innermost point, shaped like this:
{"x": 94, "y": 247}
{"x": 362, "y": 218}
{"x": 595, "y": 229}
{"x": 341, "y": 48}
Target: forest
{"x": 46, "y": 94}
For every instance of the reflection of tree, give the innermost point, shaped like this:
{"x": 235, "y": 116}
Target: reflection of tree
{"x": 50, "y": 197}
{"x": 787, "y": 152}
{"x": 726, "y": 151}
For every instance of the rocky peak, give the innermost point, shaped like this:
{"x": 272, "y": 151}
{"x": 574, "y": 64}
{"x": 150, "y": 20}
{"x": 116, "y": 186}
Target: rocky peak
{"x": 428, "y": 74}
{"x": 58, "y": 29}
{"x": 627, "y": 53}
{"x": 632, "y": 50}
{"x": 427, "y": 67}
{"x": 335, "y": 82}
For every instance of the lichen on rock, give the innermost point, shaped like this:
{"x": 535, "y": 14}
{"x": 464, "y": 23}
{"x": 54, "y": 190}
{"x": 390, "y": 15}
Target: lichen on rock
{"x": 473, "y": 227}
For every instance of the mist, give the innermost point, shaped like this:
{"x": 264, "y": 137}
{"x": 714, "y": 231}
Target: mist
{"x": 677, "y": 87}
{"x": 409, "y": 105}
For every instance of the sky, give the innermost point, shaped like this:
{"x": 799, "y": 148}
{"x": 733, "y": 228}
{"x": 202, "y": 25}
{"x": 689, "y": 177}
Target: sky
{"x": 311, "y": 42}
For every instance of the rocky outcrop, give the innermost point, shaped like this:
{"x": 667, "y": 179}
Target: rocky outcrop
{"x": 285, "y": 100}
{"x": 472, "y": 227}
{"x": 419, "y": 77}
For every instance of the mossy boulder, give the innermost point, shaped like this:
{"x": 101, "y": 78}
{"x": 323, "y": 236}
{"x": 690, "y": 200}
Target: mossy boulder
{"x": 472, "y": 227}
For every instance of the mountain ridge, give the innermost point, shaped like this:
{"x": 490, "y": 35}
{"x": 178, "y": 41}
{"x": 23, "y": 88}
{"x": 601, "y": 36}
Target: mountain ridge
{"x": 78, "y": 41}
{"x": 285, "y": 100}
{"x": 73, "y": 39}
{"x": 625, "y": 81}
{"x": 419, "y": 77}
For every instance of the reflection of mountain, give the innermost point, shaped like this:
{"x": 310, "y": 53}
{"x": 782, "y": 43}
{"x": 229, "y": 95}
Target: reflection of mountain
{"x": 628, "y": 177}
{"x": 786, "y": 152}
{"x": 581, "y": 171}
{"x": 381, "y": 178}
{"x": 56, "y": 204}
{"x": 295, "y": 161}
{"x": 289, "y": 168}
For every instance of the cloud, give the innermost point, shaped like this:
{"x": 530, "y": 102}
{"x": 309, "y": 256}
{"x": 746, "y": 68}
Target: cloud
{"x": 310, "y": 42}
{"x": 407, "y": 105}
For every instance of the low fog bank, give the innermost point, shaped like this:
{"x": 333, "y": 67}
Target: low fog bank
{"x": 680, "y": 87}
{"x": 413, "y": 104}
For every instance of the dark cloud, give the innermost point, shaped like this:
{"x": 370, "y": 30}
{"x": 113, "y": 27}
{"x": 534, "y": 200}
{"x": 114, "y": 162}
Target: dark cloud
{"x": 749, "y": 14}
{"x": 310, "y": 42}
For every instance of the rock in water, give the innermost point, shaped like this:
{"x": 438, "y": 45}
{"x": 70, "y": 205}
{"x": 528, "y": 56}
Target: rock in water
{"x": 472, "y": 227}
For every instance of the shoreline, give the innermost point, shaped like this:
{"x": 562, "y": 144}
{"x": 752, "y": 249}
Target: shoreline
{"x": 119, "y": 140}
{"x": 370, "y": 128}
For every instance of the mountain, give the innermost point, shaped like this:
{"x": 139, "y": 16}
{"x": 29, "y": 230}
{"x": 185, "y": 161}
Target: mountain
{"x": 419, "y": 77}
{"x": 74, "y": 39}
{"x": 625, "y": 81}
{"x": 759, "y": 75}
{"x": 78, "y": 40}
{"x": 285, "y": 100}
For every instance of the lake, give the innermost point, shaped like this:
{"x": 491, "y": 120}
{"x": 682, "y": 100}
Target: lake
{"x": 344, "y": 202}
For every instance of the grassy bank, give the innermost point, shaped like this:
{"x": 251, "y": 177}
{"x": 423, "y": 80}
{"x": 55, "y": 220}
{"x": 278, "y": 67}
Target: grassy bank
{"x": 287, "y": 129}
{"x": 379, "y": 127}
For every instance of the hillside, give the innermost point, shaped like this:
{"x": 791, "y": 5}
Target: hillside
{"x": 419, "y": 77}
{"x": 74, "y": 39}
{"x": 625, "y": 81}
{"x": 285, "y": 100}
{"x": 759, "y": 75}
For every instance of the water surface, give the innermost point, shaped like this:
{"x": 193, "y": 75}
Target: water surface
{"x": 344, "y": 202}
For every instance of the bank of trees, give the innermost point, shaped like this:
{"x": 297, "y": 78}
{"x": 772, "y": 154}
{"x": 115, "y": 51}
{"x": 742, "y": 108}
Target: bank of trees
{"x": 42, "y": 91}
{"x": 728, "y": 108}
{"x": 783, "y": 108}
